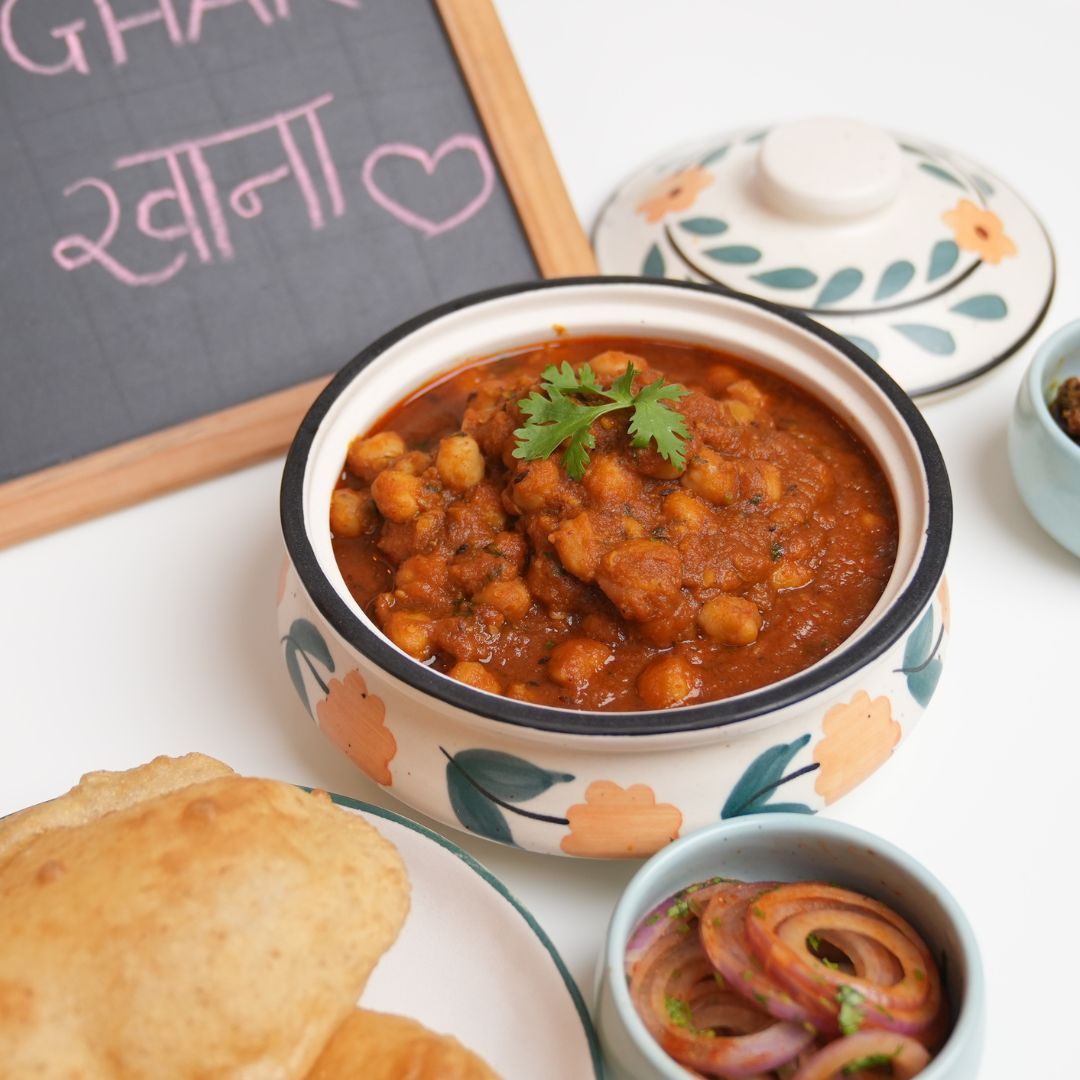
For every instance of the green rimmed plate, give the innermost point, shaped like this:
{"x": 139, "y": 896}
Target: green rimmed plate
{"x": 472, "y": 962}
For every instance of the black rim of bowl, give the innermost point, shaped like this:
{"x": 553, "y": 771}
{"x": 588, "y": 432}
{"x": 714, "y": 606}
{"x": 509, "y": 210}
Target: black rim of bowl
{"x": 887, "y": 630}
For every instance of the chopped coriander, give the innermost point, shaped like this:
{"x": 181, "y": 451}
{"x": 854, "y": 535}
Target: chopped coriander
{"x": 851, "y": 1014}
{"x": 653, "y": 919}
{"x": 755, "y": 499}
{"x": 549, "y": 644}
{"x": 869, "y": 1061}
{"x": 832, "y": 965}
{"x": 678, "y": 1012}
{"x": 920, "y": 975}
{"x": 776, "y": 551}
{"x": 758, "y": 913}
{"x": 813, "y": 941}
{"x": 679, "y": 910}
{"x": 559, "y": 418}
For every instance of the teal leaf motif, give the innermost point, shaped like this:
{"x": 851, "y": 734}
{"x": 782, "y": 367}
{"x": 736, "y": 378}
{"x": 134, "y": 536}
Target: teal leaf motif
{"x": 654, "y": 263}
{"x": 867, "y": 346}
{"x": 940, "y": 173}
{"x": 704, "y": 226}
{"x": 922, "y": 667}
{"x": 292, "y": 665}
{"x": 762, "y": 777}
{"x": 506, "y": 776}
{"x": 756, "y": 137}
{"x": 986, "y": 306}
{"x": 986, "y": 189}
{"x": 475, "y": 812}
{"x": 942, "y": 259}
{"x": 734, "y": 253}
{"x": 714, "y": 156}
{"x": 931, "y": 338}
{"x": 896, "y": 278}
{"x": 305, "y": 640}
{"x": 307, "y": 637}
{"x": 783, "y": 808}
{"x": 790, "y": 277}
{"x": 840, "y": 286}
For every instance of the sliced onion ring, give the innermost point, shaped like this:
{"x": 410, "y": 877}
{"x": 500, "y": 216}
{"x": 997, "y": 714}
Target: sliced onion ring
{"x": 907, "y": 1057}
{"x": 723, "y": 936}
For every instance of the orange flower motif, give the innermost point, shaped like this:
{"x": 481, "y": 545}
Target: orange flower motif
{"x": 979, "y": 230}
{"x": 355, "y": 722}
{"x": 678, "y": 192}
{"x": 859, "y": 738}
{"x": 944, "y": 605}
{"x": 620, "y": 823}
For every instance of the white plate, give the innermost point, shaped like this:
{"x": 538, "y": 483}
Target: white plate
{"x": 472, "y": 962}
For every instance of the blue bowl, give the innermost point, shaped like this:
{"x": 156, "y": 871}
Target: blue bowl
{"x": 1045, "y": 461}
{"x": 792, "y": 847}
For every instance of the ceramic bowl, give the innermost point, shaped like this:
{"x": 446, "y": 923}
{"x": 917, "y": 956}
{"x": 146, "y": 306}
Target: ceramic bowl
{"x": 1045, "y": 461}
{"x": 612, "y": 784}
{"x": 787, "y": 847}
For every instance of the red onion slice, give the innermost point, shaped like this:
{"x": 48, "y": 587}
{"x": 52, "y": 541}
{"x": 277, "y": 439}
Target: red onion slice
{"x": 779, "y": 922}
{"x": 723, "y": 936}
{"x": 906, "y": 1057}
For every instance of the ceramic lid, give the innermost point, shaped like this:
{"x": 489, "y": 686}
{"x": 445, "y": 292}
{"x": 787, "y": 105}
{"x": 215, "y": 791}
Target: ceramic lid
{"x": 925, "y": 260}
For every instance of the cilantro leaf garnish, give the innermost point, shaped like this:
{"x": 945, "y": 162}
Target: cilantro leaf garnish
{"x": 869, "y": 1061}
{"x": 678, "y": 1012}
{"x": 851, "y": 1014}
{"x": 561, "y": 417}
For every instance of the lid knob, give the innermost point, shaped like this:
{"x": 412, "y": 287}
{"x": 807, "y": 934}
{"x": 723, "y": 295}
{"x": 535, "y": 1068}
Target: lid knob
{"x": 828, "y": 169}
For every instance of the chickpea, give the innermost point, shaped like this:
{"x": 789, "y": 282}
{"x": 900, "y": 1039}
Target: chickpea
{"x": 476, "y": 675}
{"x": 536, "y": 485}
{"x": 411, "y": 631}
{"x": 511, "y": 597}
{"x": 414, "y": 463}
{"x": 609, "y": 482}
{"x": 681, "y": 508}
{"x": 720, "y": 376}
{"x": 649, "y": 462}
{"x": 730, "y": 620}
{"x": 460, "y": 463}
{"x": 739, "y": 412}
{"x": 576, "y": 546}
{"x": 746, "y": 391}
{"x": 608, "y": 366}
{"x": 573, "y": 662}
{"x": 791, "y": 575}
{"x": 760, "y": 480}
{"x": 368, "y": 457}
{"x": 423, "y": 578}
{"x": 668, "y": 681}
{"x": 352, "y": 513}
{"x": 714, "y": 478}
{"x": 397, "y": 495}
{"x": 642, "y": 578}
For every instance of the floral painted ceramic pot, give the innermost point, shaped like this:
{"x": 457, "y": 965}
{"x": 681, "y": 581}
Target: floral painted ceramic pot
{"x": 928, "y": 262}
{"x": 595, "y": 784}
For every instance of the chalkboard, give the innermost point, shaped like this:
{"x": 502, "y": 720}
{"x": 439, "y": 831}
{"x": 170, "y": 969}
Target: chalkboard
{"x": 207, "y": 202}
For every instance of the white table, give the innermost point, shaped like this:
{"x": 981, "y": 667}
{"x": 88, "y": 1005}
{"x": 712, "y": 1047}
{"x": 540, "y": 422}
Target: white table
{"x": 152, "y": 631}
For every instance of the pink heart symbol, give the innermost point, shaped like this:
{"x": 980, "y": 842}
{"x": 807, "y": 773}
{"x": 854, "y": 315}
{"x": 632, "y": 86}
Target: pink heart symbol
{"x": 430, "y": 162}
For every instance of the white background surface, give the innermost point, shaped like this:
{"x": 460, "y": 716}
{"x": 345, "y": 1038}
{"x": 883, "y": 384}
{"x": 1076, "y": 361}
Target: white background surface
{"x": 152, "y": 631}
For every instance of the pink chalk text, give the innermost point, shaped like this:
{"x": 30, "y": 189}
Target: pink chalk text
{"x": 38, "y": 57}
{"x": 193, "y": 209}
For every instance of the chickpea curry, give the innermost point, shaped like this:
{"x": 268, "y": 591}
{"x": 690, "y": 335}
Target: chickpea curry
{"x": 696, "y": 527}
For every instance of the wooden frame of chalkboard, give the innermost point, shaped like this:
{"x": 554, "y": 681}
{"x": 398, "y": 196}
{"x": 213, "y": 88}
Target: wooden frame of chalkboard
{"x": 224, "y": 440}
